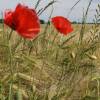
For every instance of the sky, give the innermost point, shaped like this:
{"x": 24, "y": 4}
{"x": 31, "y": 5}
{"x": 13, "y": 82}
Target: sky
{"x": 61, "y": 8}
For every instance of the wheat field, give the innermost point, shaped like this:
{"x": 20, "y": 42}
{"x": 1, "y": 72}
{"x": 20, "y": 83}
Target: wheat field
{"x": 51, "y": 66}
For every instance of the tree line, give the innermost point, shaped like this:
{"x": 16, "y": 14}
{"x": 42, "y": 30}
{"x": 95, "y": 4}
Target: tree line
{"x": 44, "y": 22}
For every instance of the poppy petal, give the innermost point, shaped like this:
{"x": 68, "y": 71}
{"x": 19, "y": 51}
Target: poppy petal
{"x": 28, "y": 22}
{"x": 63, "y": 25}
{"x": 8, "y": 18}
{"x": 25, "y": 21}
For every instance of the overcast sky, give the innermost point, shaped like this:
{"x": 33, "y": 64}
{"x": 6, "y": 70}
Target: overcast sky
{"x": 62, "y": 7}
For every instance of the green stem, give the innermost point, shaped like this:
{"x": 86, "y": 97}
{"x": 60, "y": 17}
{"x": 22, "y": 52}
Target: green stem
{"x": 98, "y": 87}
{"x": 11, "y": 66}
{"x": 9, "y": 37}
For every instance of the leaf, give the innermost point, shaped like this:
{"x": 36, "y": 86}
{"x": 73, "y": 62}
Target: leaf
{"x": 90, "y": 98}
{"x": 68, "y": 39}
{"x": 29, "y": 59}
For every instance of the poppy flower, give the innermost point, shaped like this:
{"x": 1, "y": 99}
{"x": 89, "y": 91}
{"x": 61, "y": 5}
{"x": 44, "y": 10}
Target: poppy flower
{"x": 63, "y": 25}
{"x": 23, "y": 20}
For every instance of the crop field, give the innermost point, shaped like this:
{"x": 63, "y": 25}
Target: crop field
{"x": 51, "y": 66}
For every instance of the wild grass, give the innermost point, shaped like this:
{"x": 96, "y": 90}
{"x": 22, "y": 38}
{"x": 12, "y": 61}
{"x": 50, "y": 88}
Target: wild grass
{"x": 51, "y": 67}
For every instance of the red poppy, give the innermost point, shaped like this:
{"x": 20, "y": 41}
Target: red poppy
{"x": 63, "y": 25}
{"x": 23, "y": 20}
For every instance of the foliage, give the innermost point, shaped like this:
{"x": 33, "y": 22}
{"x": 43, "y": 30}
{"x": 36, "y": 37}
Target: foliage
{"x": 42, "y": 21}
{"x": 1, "y": 20}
